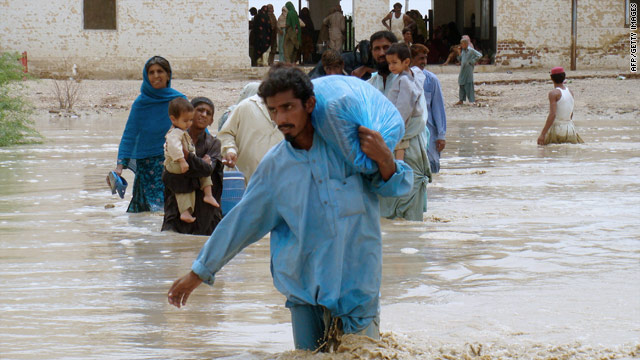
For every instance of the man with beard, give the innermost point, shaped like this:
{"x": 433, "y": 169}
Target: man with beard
{"x": 383, "y": 39}
{"x": 326, "y": 245}
{"x": 412, "y": 205}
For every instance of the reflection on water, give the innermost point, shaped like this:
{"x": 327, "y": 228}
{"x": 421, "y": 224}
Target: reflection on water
{"x": 525, "y": 252}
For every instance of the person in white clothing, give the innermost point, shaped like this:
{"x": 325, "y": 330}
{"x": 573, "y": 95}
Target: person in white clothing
{"x": 397, "y": 21}
{"x": 559, "y": 127}
{"x": 247, "y": 135}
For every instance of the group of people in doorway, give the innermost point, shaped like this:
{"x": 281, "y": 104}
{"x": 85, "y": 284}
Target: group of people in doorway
{"x": 292, "y": 37}
{"x": 323, "y": 216}
{"x": 443, "y": 44}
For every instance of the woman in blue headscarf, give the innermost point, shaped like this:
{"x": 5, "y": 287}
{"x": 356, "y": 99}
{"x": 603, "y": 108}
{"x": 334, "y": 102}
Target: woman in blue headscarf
{"x": 141, "y": 147}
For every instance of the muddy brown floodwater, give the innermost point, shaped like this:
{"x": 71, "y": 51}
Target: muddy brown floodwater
{"x": 525, "y": 253}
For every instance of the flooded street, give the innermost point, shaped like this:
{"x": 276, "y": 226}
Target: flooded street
{"x": 525, "y": 252}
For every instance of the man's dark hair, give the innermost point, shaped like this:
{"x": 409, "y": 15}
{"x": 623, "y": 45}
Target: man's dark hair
{"x": 158, "y": 60}
{"x": 253, "y": 11}
{"x": 397, "y": 5}
{"x": 178, "y": 106}
{"x": 418, "y": 49}
{"x": 406, "y": 30}
{"x": 284, "y": 77}
{"x": 383, "y": 34}
{"x": 331, "y": 58}
{"x": 203, "y": 100}
{"x": 558, "y": 78}
{"x": 400, "y": 50}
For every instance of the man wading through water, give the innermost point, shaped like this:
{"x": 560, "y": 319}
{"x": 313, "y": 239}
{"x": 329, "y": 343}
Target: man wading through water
{"x": 324, "y": 219}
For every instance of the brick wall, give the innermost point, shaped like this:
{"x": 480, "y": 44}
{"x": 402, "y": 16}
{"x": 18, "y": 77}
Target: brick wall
{"x": 538, "y": 34}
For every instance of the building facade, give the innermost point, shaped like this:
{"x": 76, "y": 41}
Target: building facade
{"x": 538, "y": 33}
{"x": 202, "y": 38}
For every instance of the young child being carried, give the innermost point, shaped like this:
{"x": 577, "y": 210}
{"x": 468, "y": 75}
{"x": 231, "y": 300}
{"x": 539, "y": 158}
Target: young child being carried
{"x": 405, "y": 91}
{"x": 178, "y": 143}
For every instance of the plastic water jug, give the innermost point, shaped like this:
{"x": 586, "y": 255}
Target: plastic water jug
{"x": 232, "y": 190}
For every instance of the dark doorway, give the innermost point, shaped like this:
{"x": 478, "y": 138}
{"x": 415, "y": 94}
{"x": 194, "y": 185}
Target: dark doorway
{"x": 452, "y": 19}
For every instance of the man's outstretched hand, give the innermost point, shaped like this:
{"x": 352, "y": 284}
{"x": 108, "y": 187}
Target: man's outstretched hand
{"x": 182, "y": 288}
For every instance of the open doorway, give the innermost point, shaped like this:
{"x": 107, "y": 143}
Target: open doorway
{"x": 320, "y": 10}
{"x": 450, "y": 19}
{"x": 314, "y": 38}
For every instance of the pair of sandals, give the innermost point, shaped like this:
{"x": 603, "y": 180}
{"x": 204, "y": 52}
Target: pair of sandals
{"x": 117, "y": 183}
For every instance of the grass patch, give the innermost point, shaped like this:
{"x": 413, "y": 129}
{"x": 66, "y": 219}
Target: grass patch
{"x": 15, "y": 125}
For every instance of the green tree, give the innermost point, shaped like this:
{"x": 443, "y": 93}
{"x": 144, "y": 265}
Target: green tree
{"x": 15, "y": 125}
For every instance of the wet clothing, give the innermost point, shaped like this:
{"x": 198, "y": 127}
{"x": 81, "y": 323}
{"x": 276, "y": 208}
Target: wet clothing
{"x": 311, "y": 323}
{"x": 142, "y": 143}
{"x": 148, "y": 189}
{"x": 467, "y": 58}
{"x": 466, "y": 92}
{"x": 325, "y": 230}
{"x": 207, "y": 216}
{"x": 250, "y": 133}
{"x": 412, "y": 205}
{"x": 437, "y": 118}
{"x": 562, "y": 130}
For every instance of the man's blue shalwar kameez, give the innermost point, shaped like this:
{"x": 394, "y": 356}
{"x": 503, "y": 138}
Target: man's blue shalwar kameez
{"x": 324, "y": 219}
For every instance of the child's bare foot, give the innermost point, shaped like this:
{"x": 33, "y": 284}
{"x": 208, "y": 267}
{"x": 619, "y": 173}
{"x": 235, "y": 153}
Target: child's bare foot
{"x": 458, "y": 103}
{"x": 211, "y": 201}
{"x": 187, "y": 217}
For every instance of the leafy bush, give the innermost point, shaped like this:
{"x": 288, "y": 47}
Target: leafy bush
{"x": 15, "y": 125}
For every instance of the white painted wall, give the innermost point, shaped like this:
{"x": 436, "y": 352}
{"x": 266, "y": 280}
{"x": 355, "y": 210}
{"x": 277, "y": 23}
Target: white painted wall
{"x": 196, "y": 36}
{"x": 367, "y": 17}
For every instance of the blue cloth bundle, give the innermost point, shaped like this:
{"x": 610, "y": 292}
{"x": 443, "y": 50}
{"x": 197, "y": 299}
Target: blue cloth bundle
{"x": 343, "y": 103}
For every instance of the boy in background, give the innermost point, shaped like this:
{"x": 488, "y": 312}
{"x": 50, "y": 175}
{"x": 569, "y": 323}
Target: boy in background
{"x": 406, "y": 89}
